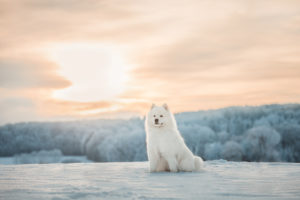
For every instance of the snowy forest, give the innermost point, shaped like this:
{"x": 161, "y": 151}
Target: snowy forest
{"x": 262, "y": 133}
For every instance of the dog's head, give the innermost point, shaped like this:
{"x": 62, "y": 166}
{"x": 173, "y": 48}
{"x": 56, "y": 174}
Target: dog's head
{"x": 159, "y": 116}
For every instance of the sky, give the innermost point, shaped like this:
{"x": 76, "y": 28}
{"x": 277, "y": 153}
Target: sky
{"x": 72, "y": 59}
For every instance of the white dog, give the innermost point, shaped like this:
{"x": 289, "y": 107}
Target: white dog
{"x": 165, "y": 147}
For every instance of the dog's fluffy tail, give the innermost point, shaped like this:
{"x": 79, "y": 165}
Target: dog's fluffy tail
{"x": 198, "y": 163}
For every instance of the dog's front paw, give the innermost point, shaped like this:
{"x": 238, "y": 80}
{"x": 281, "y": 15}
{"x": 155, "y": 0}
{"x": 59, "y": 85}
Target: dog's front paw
{"x": 173, "y": 169}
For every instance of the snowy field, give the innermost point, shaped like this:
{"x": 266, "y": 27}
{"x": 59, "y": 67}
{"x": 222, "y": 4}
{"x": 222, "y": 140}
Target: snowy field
{"x": 131, "y": 180}
{"x": 43, "y": 160}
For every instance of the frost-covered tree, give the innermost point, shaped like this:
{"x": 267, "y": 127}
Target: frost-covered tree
{"x": 263, "y": 133}
{"x": 261, "y": 144}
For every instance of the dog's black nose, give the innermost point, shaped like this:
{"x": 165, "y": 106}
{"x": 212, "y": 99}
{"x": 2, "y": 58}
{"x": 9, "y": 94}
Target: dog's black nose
{"x": 156, "y": 121}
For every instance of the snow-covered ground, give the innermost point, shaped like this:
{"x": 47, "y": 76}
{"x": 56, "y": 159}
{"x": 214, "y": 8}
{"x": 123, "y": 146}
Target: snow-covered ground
{"x": 131, "y": 180}
{"x": 37, "y": 160}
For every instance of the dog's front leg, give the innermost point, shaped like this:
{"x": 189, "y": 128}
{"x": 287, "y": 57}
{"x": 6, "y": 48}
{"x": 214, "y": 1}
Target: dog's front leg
{"x": 172, "y": 163}
{"x": 153, "y": 161}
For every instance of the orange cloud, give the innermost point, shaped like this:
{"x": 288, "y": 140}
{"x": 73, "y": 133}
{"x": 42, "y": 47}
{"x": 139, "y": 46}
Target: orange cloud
{"x": 196, "y": 55}
{"x": 30, "y": 73}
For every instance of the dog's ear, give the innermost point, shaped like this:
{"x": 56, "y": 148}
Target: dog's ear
{"x": 166, "y": 106}
{"x": 153, "y": 105}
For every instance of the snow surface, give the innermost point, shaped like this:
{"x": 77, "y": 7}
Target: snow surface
{"x": 131, "y": 180}
{"x": 62, "y": 159}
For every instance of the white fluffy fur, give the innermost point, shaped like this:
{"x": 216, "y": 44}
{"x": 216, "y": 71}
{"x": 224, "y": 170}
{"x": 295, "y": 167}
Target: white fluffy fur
{"x": 165, "y": 147}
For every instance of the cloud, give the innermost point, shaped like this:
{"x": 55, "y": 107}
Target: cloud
{"x": 17, "y": 73}
{"x": 14, "y": 109}
{"x": 103, "y": 109}
{"x": 249, "y": 56}
{"x": 29, "y": 24}
{"x": 196, "y": 55}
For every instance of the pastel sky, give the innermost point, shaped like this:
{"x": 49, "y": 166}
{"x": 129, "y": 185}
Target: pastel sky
{"x": 74, "y": 59}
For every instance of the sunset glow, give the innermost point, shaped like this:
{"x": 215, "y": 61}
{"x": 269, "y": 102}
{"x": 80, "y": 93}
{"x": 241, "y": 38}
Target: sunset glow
{"x": 97, "y": 72}
{"x": 105, "y": 59}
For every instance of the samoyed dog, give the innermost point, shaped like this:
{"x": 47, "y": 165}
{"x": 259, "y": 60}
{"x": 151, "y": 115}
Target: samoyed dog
{"x": 165, "y": 147}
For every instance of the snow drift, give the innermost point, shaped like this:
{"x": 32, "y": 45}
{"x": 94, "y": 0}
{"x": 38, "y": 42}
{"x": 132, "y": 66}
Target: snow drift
{"x": 43, "y": 157}
{"x": 219, "y": 180}
{"x": 263, "y": 133}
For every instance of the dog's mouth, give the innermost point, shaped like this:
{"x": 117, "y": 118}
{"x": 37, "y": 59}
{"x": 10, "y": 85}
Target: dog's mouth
{"x": 158, "y": 124}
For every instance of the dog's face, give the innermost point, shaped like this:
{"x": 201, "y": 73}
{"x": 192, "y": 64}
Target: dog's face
{"x": 159, "y": 116}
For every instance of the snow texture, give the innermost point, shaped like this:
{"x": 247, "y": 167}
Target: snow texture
{"x": 263, "y": 133}
{"x": 219, "y": 180}
{"x": 43, "y": 157}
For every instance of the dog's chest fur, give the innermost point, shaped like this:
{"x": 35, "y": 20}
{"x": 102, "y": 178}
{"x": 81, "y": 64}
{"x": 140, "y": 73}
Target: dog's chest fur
{"x": 164, "y": 142}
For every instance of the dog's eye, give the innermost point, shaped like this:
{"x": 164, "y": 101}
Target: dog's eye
{"x": 161, "y": 115}
{"x": 154, "y": 116}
